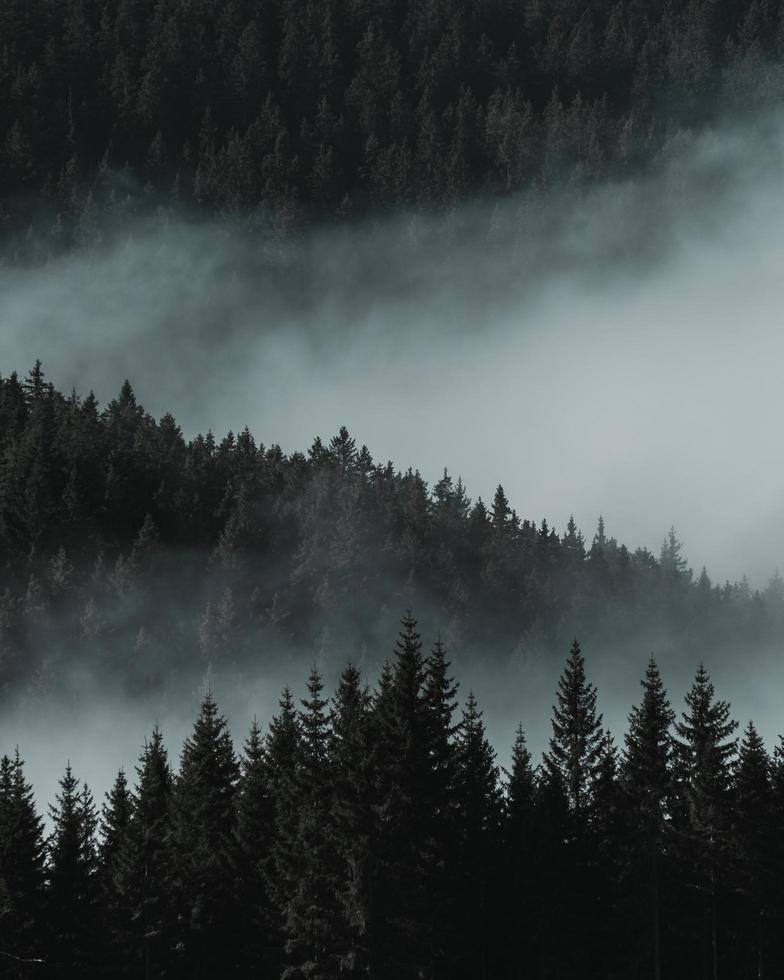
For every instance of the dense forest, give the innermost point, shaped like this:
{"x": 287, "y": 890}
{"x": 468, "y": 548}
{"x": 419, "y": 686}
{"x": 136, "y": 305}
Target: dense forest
{"x": 142, "y": 558}
{"x": 373, "y": 835}
{"x": 292, "y": 111}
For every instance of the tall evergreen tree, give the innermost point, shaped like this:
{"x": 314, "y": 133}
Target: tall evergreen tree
{"x": 205, "y": 819}
{"x": 148, "y": 866}
{"x": 73, "y": 893}
{"x": 704, "y": 755}
{"x": 352, "y": 818}
{"x": 403, "y": 939}
{"x": 311, "y": 911}
{"x": 116, "y": 814}
{"x": 648, "y": 789}
{"x": 22, "y": 910}
{"x": 479, "y": 827}
{"x": 576, "y": 742}
{"x": 518, "y": 851}
{"x": 255, "y": 829}
{"x": 756, "y": 870}
{"x": 283, "y": 753}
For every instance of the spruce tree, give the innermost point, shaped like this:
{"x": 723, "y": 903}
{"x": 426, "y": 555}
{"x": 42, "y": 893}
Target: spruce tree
{"x": 648, "y": 794}
{"x": 73, "y": 895}
{"x": 282, "y": 750}
{"x": 573, "y": 765}
{"x": 577, "y": 739}
{"x": 22, "y": 911}
{"x": 147, "y": 866}
{"x": 479, "y": 805}
{"x": 254, "y": 833}
{"x": 518, "y": 853}
{"x": 403, "y": 940}
{"x": 205, "y": 819}
{"x": 756, "y": 871}
{"x": 116, "y": 815}
{"x": 704, "y": 755}
{"x": 311, "y": 910}
{"x": 352, "y": 818}
{"x": 440, "y": 690}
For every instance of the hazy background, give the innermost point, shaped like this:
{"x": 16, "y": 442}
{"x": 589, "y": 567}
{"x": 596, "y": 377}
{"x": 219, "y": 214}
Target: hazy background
{"x": 618, "y": 353}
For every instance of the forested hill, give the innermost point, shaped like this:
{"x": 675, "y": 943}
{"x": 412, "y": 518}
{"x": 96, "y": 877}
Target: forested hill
{"x": 128, "y": 550}
{"x": 295, "y": 110}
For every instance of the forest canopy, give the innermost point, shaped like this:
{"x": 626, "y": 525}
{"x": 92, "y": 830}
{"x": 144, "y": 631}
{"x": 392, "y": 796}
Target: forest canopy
{"x": 293, "y": 111}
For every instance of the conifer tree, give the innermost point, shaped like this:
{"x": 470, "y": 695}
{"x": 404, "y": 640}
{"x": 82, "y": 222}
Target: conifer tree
{"x": 73, "y": 894}
{"x": 352, "y": 817}
{"x": 704, "y": 754}
{"x": 479, "y": 825}
{"x": 147, "y": 865}
{"x": 22, "y": 911}
{"x": 518, "y": 851}
{"x": 648, "y": 791}
{"x": 440, "y": 690}
{"x": 205, "y": 819}
{"x": 757, "y": 872}
{"x": 573, "y": 765}
{"x": 116, "y": 814}
{"x": 576, "y": 742}
{"x": 255, "y": 829}
{"x": 283, "y": 740}
{"x": 402, "y": 932}
{"x": 311, "y": 911}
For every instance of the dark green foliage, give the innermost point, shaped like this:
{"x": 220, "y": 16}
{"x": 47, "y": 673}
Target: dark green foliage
{"x": 311, "y": 910}
{"x": 352, "y": 818}
{"x": 205, "y": 800}
{"x": 577, "y": 740}
{"x": 519, "y": 907}
{"x": 73, "y": 895}
{"x": 22, "y": 897}
{"x": 407, "y": 855}
{"x": 479, "y": 809}
{"x": 116, "y": 815}
{"x": 648, "y": 796}
{"x": 293, "y": 111}
{"x": 255, "y": 834}
{"x": 704, "y": 757}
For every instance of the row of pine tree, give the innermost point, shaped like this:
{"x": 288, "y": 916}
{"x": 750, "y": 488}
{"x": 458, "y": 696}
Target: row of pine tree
{"x": 127, "y": 549}
{"x": 373, "y": 835}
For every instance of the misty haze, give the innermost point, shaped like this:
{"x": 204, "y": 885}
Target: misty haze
{"x": 390, "y": 510}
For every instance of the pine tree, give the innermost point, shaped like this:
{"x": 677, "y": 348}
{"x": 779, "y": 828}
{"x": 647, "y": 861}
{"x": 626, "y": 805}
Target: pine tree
{"x": 205, "y": 819}
{"x": 73, "y": 893}
{"x": 648, "y": 791}
{"x": 282, "y": 751}
{"x": 147, "y": 866}
{"x": 402, "y": 929}
{"x": 310, "y": 910}
{"x": 756, "y": 873}
{"x": 576, "y": 742}
{"x": 255, "y": 829}
{"x": 479, "y": 824}
{"x": 116, "y": 816}
{"x": 573, "y": 765}
{"x": 518, "y": 851}
{"x": 352, "y": 817}
{"x": 704, "y": 754}
{"x": 22, "y": 851}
